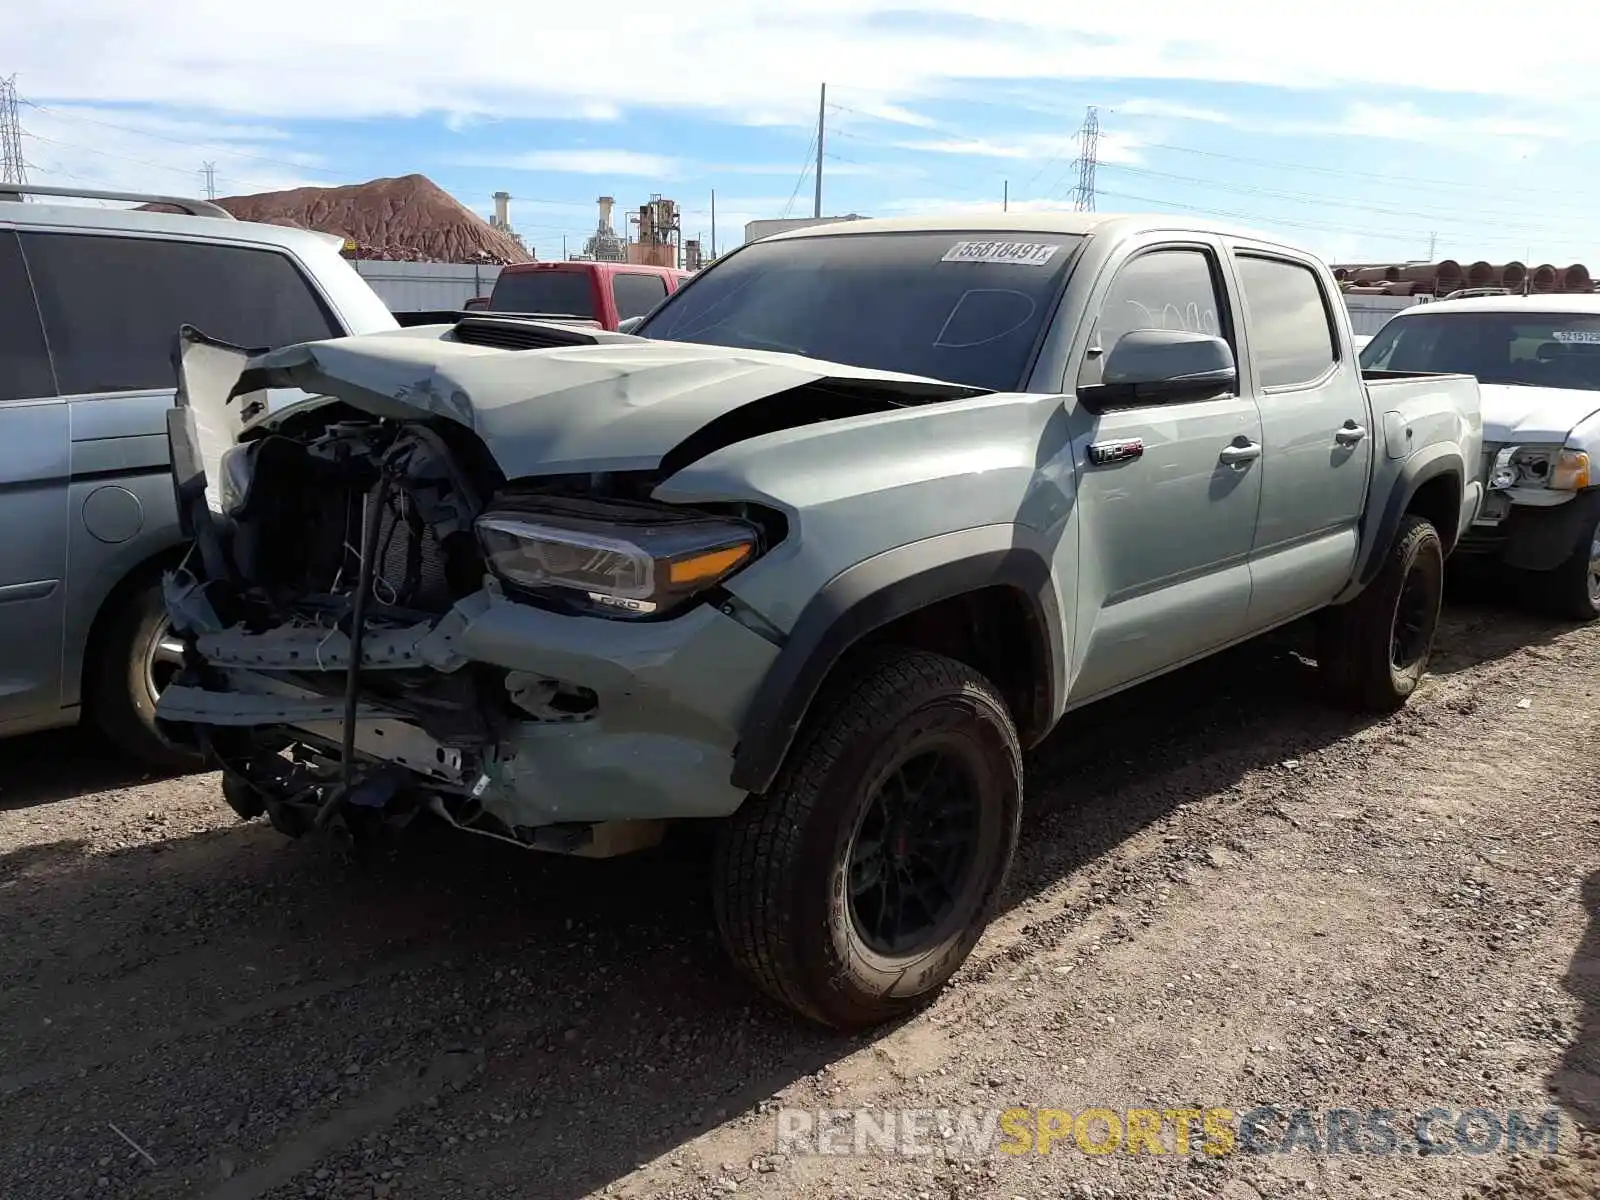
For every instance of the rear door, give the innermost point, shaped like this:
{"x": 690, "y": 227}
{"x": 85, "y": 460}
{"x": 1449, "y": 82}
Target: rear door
{"x": 1316, "y": 447}
{"x": 34, "y": 452}
{"x": 1163, "y": 556}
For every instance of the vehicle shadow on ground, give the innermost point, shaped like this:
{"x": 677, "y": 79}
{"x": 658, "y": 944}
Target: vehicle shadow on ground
{"x": 229, "y": 994}
{"x": 42, "y": 768}
{"x": 1576, "y": 1080}
{"x": 1484, "y": 621}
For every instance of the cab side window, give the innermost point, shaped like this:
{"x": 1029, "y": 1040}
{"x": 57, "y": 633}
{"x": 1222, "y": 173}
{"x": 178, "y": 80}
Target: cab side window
{"x": 637, "y": 294}
{"x": 1162, "y": 289}
{"x": 1291, "y": 332}
{"x": 112, "y": 306}
{"x": 24, "y": 361}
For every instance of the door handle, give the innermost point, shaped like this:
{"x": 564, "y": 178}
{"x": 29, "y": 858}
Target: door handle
{"x": 1350, "y": 434}
{"x": 1240, "y": 454}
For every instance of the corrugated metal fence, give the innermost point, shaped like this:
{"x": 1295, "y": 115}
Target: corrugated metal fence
{"x": 414, "y": 286}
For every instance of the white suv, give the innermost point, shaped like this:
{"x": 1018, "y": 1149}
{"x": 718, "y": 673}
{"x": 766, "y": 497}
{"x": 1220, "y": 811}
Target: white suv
{"x": 93, "y": 299}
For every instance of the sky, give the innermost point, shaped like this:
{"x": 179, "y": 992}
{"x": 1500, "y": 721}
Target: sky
{"x": 1364, "y": 131}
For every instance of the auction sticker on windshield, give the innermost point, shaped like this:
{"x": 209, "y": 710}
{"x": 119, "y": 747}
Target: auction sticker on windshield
{"x": 1585, "y": 336}
{"x": 1027, "y": 254}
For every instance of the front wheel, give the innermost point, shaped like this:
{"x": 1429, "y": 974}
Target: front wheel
{"x": 857, "y": 886}
{"x": 1374, "y": 651}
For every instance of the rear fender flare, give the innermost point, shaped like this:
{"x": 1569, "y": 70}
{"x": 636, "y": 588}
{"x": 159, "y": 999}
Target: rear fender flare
{"x": 1427, "y": 464}
{"x": 870, "y": 595}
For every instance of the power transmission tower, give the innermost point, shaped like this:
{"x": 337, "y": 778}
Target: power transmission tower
{"x": 1088, "y": 155}
{"x": 13, "y": 167}
{"x": 209, "y": 172}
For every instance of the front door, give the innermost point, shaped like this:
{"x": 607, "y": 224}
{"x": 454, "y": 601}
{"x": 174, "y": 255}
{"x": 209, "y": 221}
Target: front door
{"x": 1316, "y": 444}
{"x": 35, "y": 451}
{"x": 1167, "y": 492}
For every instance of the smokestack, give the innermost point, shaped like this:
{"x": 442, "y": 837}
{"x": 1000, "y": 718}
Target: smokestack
{"x": 502, "y": 210}
{"x": 605, "y": 211}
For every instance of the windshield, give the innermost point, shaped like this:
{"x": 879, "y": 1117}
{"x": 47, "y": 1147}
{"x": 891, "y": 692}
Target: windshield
{"x": 942, "y": 305}
{"x": 559, "y": 293}
{"x": 1533, "y": 349}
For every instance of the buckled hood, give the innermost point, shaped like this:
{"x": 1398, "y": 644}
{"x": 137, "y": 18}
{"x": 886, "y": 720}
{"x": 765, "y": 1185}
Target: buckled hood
{"x": 616, "y": 406}
{"x": 1534, "y": 415}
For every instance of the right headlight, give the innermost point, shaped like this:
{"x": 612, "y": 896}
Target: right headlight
{"x": 1540, "y": 466}
{"x": 616, "y": 559}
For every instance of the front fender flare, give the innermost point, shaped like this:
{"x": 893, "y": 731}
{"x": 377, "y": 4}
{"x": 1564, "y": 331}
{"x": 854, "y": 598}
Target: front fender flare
{"x": 871, "y": 594}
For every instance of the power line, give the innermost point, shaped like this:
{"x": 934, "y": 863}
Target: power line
{"x": 805, "y": 169}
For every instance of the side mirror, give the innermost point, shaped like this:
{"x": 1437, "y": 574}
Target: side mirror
{"x": 1167, "y": 364}
{"x": 628, "y": 324}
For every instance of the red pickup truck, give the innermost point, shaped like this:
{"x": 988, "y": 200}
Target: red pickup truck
{"x": 602, "y": 292}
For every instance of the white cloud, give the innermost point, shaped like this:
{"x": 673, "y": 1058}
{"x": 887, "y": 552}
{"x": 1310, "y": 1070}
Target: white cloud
{"x": 1031, "y": 147}
{"x": 580, "y": 162}
{"x": 745, "y": 59}
{"x": 1165, "y": 110}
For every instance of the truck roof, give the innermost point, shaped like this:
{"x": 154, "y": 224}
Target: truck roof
{"x": 591, "y": 265}
{"x": 1560, "y": 302}
{"x": 1080, "y": 223}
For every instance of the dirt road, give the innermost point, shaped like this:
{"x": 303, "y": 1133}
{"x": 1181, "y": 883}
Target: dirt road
{"x": 1228, "y": 896}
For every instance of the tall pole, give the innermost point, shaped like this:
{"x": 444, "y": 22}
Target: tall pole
{"x": 1005, "y": 196}
{"x": 822, "y": 125}
{"x": 713, "y": 222}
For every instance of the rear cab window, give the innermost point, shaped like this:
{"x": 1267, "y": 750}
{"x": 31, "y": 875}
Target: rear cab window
{"x": 555, "y": 292}
{"x": 112, "y": 305}
{"x": 1290, "y": 326}
{"x": 960, "y": 307}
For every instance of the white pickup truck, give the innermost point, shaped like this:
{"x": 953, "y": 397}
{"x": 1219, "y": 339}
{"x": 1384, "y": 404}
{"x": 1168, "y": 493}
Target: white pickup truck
{"x": 1537, "y": 359}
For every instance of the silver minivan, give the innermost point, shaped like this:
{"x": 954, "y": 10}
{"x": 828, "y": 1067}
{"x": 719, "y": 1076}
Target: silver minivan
{"x": 91, "y": 300}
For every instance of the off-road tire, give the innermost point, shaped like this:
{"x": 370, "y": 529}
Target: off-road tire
{"x": 780, "y": 874}
{"x": 119, "y": 697}
{"x": 1568, "y": 591}
{"x": 1355, "y": 641}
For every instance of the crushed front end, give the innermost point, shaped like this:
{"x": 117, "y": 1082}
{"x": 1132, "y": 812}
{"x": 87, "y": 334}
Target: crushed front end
{"x": 378, "y": 625}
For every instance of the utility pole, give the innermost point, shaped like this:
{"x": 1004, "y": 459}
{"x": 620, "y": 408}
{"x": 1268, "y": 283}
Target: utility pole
{"x": 1005, "y": 196}
{"x": 1433, "y": 245}
{"x": 13, "y": 166}
{"x": 713, "y": 222}
{"x": 1088, "y": 155}
{"x": 209, "y": 172}
{"x": 822, "y": 125}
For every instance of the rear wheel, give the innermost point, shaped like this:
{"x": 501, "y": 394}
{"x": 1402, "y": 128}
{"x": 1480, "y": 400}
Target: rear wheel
{"x": 860, "y": 882}
{"x": 135, "y": 659}
{"x": 1572, "y": 590}
{"x": 1373, "y": 652}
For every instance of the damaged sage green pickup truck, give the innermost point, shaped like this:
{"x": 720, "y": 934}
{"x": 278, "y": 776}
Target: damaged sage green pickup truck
{"x": 855, "y": 518}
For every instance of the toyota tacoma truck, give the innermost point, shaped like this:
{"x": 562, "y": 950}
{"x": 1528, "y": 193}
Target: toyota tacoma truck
{"x": 849, "y": 525}
{"x": 1537, "y": 361}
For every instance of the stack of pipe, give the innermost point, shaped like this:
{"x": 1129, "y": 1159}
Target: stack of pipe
{"x": 1442, "y": 278}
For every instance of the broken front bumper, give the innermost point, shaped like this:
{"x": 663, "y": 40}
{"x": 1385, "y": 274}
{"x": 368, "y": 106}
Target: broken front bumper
{"x": 657, "y": 741}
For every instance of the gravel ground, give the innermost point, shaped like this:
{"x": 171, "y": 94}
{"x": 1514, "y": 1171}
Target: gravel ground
{"x": 1228, "y": 895}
